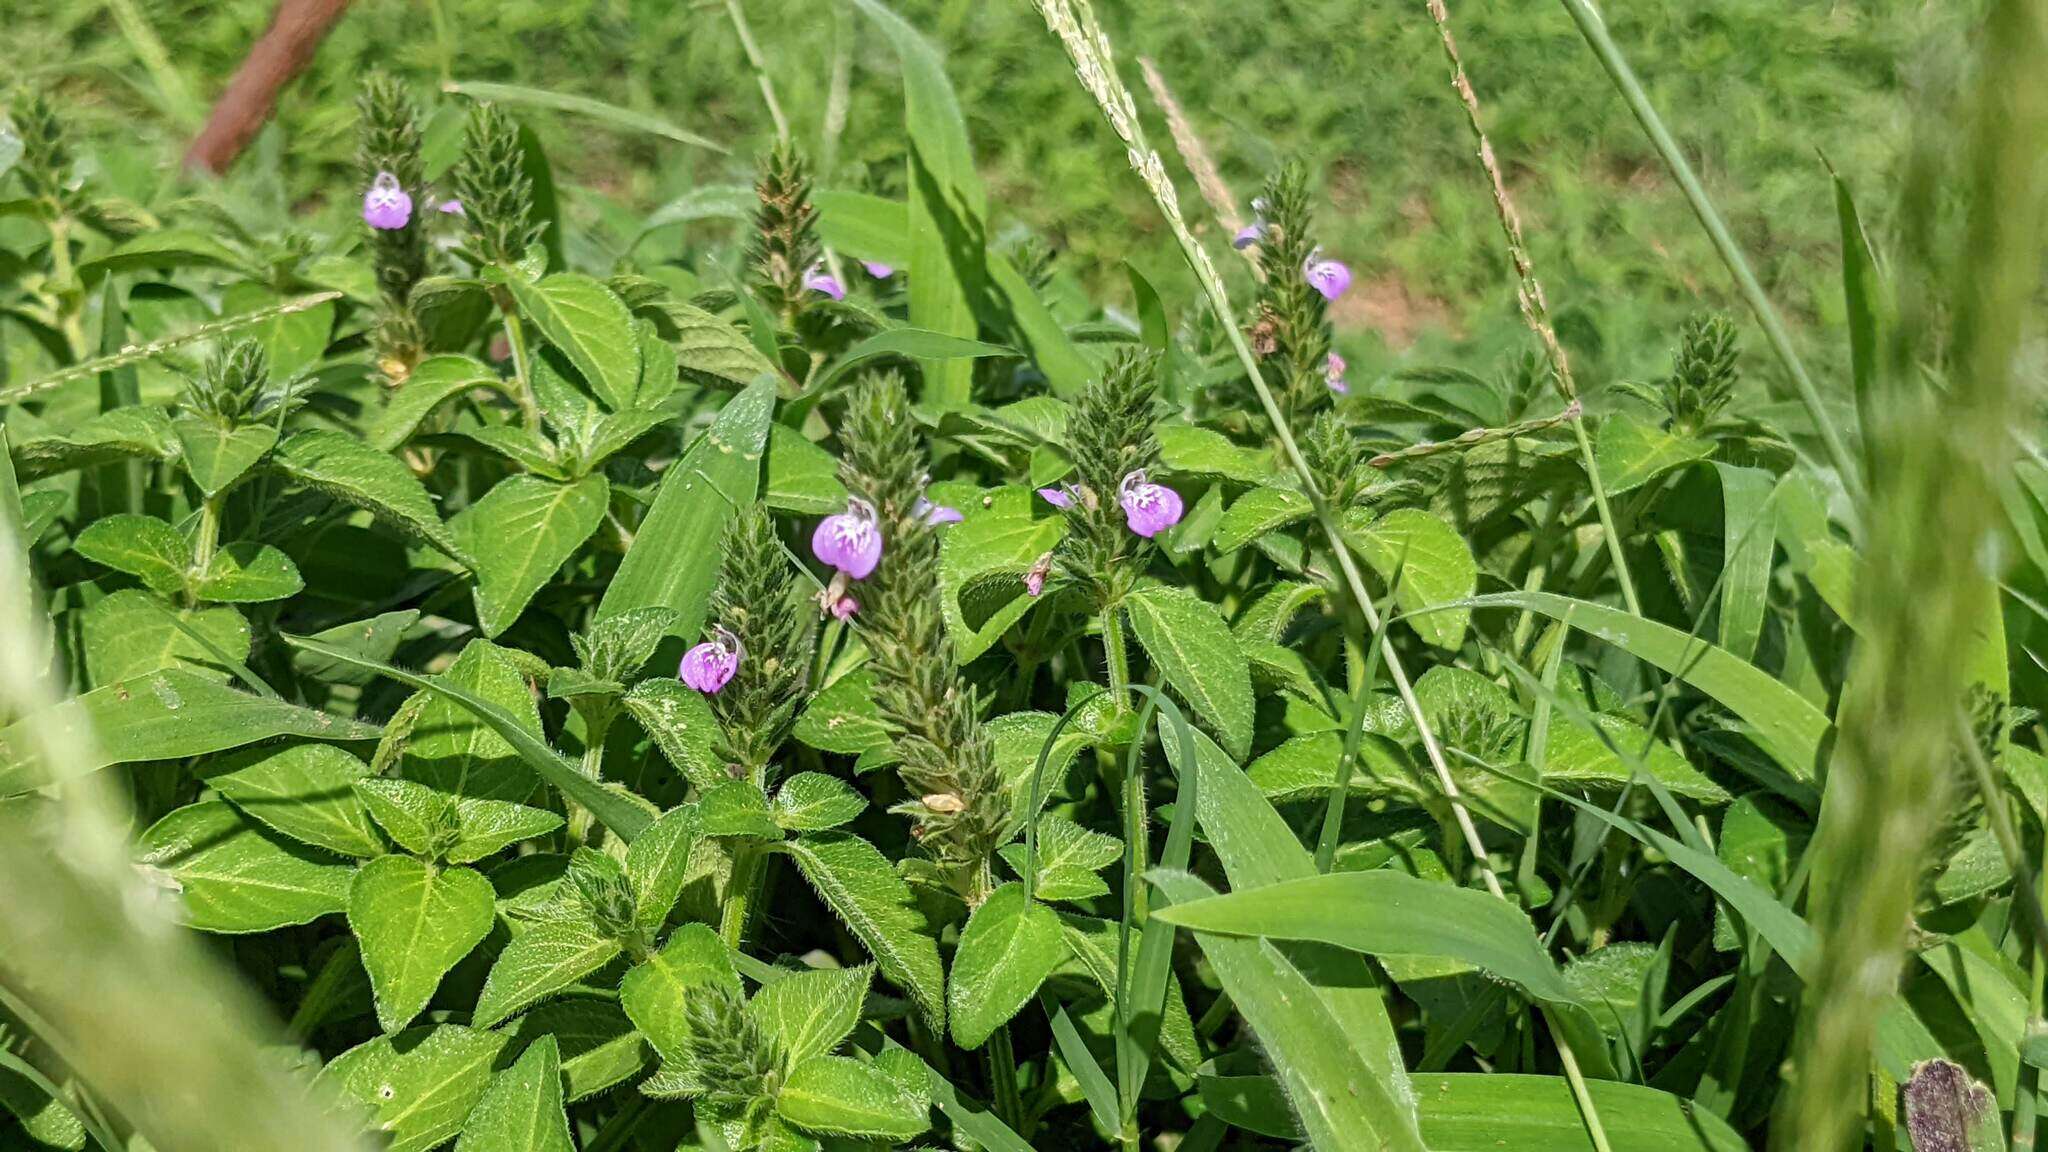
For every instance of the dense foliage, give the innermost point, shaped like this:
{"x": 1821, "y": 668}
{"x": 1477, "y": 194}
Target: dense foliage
{"x": 822, "y": 692}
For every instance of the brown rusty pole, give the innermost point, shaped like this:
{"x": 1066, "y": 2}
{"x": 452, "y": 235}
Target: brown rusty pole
{"x": 284, "y": 49}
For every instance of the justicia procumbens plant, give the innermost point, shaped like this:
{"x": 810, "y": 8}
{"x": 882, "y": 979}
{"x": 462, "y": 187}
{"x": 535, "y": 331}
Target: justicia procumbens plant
{"x": 394, "y": 208}
{"x": 1290, "y": 320}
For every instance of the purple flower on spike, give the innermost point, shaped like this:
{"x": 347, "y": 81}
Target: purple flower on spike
{"x": 850, "y": 542}
{"x": 1034, "y": 580}
{"x": 1332, "y": 278}
{"x": 1059, "y": 497}
{"x": 710, "y": 665}
{"x": 877, "y": 269}
{"x": 844, "y": 607}
{"x": 451, "y": 208}
{"x": 818, "y": 280}
{"x": 1249, "y": 235}
{"x": 1149, "y": 508}
{"x": 935, "y": 514}
{"x": 1333, "y": 375}
{"x": 386, "y": 206}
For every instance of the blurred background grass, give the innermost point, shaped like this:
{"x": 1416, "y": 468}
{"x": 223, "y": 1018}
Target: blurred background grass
{"x": 1755, "y": 89}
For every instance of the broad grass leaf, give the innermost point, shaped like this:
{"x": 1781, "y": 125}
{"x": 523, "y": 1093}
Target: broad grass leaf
{"x": 1066, "y": 370}
{"x": 131, "y": 634}
{"x": 612, "y": 114}
{"x": 167, "y": 715}
{"x": 449, "y": 747}
{"x": 521, "y": 533}
{"x": 435, "y": 381}
{"x": 1632, "y": 453}
{"x": 814, "y": 802}
{"x": 911, "y": 343}
{"x": 838, "y": 1095}
{"x": 862, "y": 888}
{"x": 217, "y": 455}
{"x": 802, "y": 477}
{"x": 1748, "y": 541}
{"x": 417, "y": 1086}
{"x": 235, "y": 875}
{"x": 1341, "y": 1101}
{"x": 590, "y": 325}
{"x": 1010, "y": 945}
{"x": 415, "y": 922}
{"x": 246, "y": 572}
{"x": 539, "y": 962}
{"x": 1427, "y": 564}
{"x": 655, "y": 993}
{"x": 810, "y": 1011}
{"x": 353, "y": 472}
{"x": 1194, "y": 649}
{"x": 142, "y": 546}
{"x": 302, "y": 790}
{"x": 523, "y": 1109}
{"x": 376, "y": 638}
{"x": 674, "y": 558}
{"x": 863, "y": 225}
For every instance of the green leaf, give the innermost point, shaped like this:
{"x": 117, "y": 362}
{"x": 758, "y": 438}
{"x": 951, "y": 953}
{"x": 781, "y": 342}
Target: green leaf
{"x": 1386, "y": 913}
{"x": 160, "y": 250}
{"x": 1632, "y": 453}
{"x": 539, "y": 962}
{"x": 415, "y": 922}
{"x": 624, "y": 816}
{"x": 522, "y": 1110}
{"x": 1069, "y": 856}
{"x": 656, "y": 992}
{"x": 1067, "y": 372}
{"x": 131, "y": 634}
{"x": 167, "y": 715}
{"x": 860, "y": 885}
{"x": 1257, "y": 512}
{"x": 674, "y": 559}
{"x": 246, "y": 572}
{"x": 353, "y": 472}
{"x": 302, "y": 790}
{"x": 293, "y": 341}
{"x": 409, "y": 813}
{"x": 863, "y": 225}
{"x": 658, "y": 862}
{"x": 1427, "y": 563}
{"x": 122, "y": 434}
{"x": 1200, "y": 658}
{"x": 418, "y": 1086}
{"x": 87, "y": 369}
{"x": 1788, "y": 727}
{"x": 842, "y": 1096}
{"x": 599, "y": 1047}
{"x": 142, "y": 546}
{"x": 910, "y": 343}
{"x": 376, "y": 638}
{"x": 217, "y": 455}
{"x": 591, "y": 325}
{"x": 810, "y": 1011}
{"x": 709, "y": 350}
{"x": 611, "y": 114}
{"x": 1002, "y": 539}
{"x": 434, "y": 382}
{"x": 451, "y": 747}
{"x": 487, "y": 827}
{"x": 814, "y": 802}
{"x": 1340, "y": 1100}
{"x": 521, "y": 533}
{"x": 679, "y": 721}
{"x": 737, "y": 808}
{"x": 233, "y": 875}
{"x": 802, "y": 477}
{"x": 1748, "y": 542}
{"x": 1195, "y": 451}
{"x": 1010, "y": 945}
{"x": 1865, "y": 294}
{"x": 843, "y": 718}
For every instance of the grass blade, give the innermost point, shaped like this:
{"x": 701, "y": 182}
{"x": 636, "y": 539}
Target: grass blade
{"x": 611, "y": 114}
{"x": 136, "y": 353}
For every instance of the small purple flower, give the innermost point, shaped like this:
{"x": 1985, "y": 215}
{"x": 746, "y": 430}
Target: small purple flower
{"x": 936, "y": 514}
{"x": 850, "y": 541}
{"x": 818, "y": 280}
{"x": 1249, "y": 235}
{"x": 1149, "y": 508}
{"x": 386, "y": 206}
{"x": 844, "y": 607}
{"x": 1034, "y": 580}
{"x": 1332, "y": 278}
{"x": 451, "y": 208}
{"x": 1059, "y": 497}
{"x": 1333, "y": 375}
{"x": 877, "y": 269}
{"x": 710, "y": 665}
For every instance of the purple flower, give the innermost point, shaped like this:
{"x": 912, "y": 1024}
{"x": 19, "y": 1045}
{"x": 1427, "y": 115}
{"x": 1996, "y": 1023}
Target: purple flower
{"x": 818, "y": 280}
{"x": 1333, "y": 375}
{"x": 1034, "y": 580}
{"x": 935, "y": 514}
{"x": 850, "y": 541}
{"x": 844, "y": 607}
{"x": 451, "y": 208}
{"x": 1149, "y": 508}
{"x": 386, "y": 206}
{"x": 877, "y": 269}
{"x": 1332, "y": 278}
{"x": 1249, "y": 235}
{"x": 1058, "y": 497}
{"x": 709, "y": 665}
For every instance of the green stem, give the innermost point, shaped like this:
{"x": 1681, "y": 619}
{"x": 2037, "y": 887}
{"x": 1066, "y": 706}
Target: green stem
{"x": 1607, "y": 529}
{"x": 740, "y": 891}
{"x": 515, "y": 339}
{"x": 62, "y": 272}
{"x": 1002, "y": 1079}
{"x": 1119, "y": 659}
{"x": 582, "y": 822}
{"x": 760, "y": 67}
{"x": 1594, "y": 29}
{"x": 208, "y": 542}
{"x": 1581, "y": 1096}
{"x": 1333, "y": 811}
